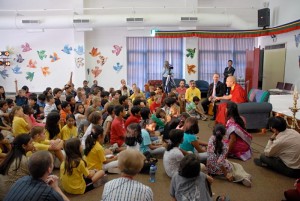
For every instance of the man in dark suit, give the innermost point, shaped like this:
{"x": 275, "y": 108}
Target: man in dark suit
{"x": 229, "y": 71}
{"x": 215, "y": 89}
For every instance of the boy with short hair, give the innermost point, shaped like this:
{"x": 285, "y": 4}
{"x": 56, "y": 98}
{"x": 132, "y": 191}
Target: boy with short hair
{"x": 32, "y": 102}
{"x": 50, "y": 105}
{"x": 21, "y": 98}
{"x": 195, "y": 109}
{"x": 57, "y": 94}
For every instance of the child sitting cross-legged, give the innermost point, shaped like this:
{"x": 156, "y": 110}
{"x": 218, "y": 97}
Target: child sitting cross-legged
{"x": 75, "y": 177}
{"x": 40, "y": 143}
{"x": 195, "y": 109}
{"x": 95, "y": 155}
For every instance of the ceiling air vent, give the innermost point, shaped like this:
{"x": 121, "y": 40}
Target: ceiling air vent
{"x": 31, "y": 21}
{"x": 80, "y": 21}
{"x": 189, "y": 19}
{"x": 134, "y": 19}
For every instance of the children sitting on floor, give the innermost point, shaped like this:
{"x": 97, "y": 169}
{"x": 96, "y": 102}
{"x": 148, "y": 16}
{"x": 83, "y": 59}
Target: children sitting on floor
{"x": 70, "y": 129}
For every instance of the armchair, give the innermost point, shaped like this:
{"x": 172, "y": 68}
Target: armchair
{"x": 257, "y": 110}
{"x": 203, "y": 86}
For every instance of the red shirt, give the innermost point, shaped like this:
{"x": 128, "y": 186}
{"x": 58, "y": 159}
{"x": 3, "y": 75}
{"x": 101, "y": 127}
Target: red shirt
{"x": 117, "y": 131}
{"x": 132, "y": 119}
{"x": 154, "y": 106}
{"x": 238, "y": 94}
{"x": 180, "y": 90}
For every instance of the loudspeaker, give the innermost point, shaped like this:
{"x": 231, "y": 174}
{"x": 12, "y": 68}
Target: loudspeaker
{"x": 263, "y": 17}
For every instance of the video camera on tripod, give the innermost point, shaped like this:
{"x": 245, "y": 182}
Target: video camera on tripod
{"x": 170, "y": 67}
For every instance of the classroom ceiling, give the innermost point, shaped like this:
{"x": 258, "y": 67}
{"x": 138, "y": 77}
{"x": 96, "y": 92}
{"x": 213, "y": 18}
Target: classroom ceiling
{"x": 241, "y": 11}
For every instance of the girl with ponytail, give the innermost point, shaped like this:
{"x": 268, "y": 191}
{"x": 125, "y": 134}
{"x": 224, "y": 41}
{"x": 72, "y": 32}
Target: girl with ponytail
{"x": 95, "y": 154}
{"x": 217, "y": 163}
{"x": 173, "y": 155}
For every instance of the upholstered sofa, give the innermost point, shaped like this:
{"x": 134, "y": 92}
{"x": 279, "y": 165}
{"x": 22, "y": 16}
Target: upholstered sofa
{"x": 203, "y": 86}
{"x": 257, "y": 110}
{"x": 155, "y": 82}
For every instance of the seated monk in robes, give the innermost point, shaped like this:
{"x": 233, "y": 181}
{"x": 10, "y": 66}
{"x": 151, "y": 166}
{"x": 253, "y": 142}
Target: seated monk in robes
{"x": 237, "y": 95}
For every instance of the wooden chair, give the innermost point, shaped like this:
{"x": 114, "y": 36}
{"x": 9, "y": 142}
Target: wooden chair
{"x": 280, "y": 85}
{"x": 288, "y": 86}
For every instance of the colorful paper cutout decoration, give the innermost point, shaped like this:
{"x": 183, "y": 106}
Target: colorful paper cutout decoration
{"x": 94, "y": 52}
{"x": 19, "y": 58}
{"x": 96, "y": 71}
{"x": 190, "y": 52}
{"x": 191, "y": 69}
{"x": 11, "y": 50}
{"x": 54, "y": 57}
{"x": 42, "y": 54}
{"x": 102, "y": 60}
{"x": 67, "y": 49}
{"x": 79, "y": 62}
{"x": 88, "y": 71}
{"x": 297, "y": 39}
{"x": 79, "y": 50}
{"x": 31, "y": 64}
{"x": 45, "y": 70}
{"x": 3, "y": 73}
{"x": 29, "y": 76}
{"x": 26, "y": 47}
{"x": 117, "y": 49}
{"x": 118, "y": 67}
{"x": 16, "y": 70}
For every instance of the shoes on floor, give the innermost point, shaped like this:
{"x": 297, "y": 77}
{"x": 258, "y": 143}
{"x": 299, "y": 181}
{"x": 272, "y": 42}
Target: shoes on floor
{"x": 258, "y": 162}
{"x": 101, "y": 181}
{"x": 247, "y": 182}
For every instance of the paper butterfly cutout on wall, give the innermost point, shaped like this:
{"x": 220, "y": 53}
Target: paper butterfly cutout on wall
{"x": 45, "y": 70}
{"x": 67, "y": 49}
{"x": 117, "y": 49}
{"x": 79, "y": 62}
{"x": 190, "y": 52}
{"x": 191, "y": 69}
{"x": 11, "y": 50}
{"x": 19, "y": 58}
{"x": 79, "y": 50}
{"x": 31, "y": 64}
{"x": 54, "y": 57}
{"x": 96, "y": 71}
{"x": 94, "y": 52}
{"x": 102, "y": 60}
{"x": 118, "y": 67}
{"x": 29, "y": 76}
{"x": 26, "y": 47}
{"x": 297, "y": 40}
{"x": 3, "y": 73}
{"x": 88, "y": 71}
{"x": 42, "y": 54}
{"x": 16, "y": 70}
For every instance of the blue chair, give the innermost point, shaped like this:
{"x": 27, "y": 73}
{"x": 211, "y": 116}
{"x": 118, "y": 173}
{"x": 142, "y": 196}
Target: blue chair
{"x": 202, "y": 85}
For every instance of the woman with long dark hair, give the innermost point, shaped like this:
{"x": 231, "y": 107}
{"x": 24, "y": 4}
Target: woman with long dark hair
{"x": 239, "y": 140}
{"x": 15, "y": 165}
{"x": 52, "y": 125}
{"x": 217, "y": 163}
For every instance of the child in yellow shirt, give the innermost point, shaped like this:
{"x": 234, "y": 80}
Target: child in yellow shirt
{"x": 74, "y": 175}
{"x": 40, "y": 143}
{"x": 95, "y": 153}
{"x": 21, "y": 122}
{"x": 69, "y": 130}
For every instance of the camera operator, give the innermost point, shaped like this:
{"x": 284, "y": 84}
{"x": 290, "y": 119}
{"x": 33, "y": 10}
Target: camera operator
{"x": 167, "y": 71}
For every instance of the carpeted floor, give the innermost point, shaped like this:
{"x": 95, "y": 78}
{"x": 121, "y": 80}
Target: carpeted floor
{"x": 267, "y": 185}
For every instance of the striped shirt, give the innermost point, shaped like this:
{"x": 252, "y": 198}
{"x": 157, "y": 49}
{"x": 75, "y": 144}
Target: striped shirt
{"x": 28, "y": 188}
{"x": 124, "y": 189}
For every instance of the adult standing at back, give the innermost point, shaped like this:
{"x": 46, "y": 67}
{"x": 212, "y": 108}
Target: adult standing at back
{"x": 228, "y": 71}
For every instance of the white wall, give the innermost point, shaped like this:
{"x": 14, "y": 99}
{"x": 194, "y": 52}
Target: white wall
{"x": 51, "y": 41}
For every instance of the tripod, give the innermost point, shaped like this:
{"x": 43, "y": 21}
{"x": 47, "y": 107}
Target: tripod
{"x": 169, "y": 83}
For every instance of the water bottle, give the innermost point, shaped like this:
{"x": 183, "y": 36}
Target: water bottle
{"x": 152, "y": 172}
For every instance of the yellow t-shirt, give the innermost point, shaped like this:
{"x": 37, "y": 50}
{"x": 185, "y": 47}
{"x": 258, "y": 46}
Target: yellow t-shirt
{"x": 96, "y": 157}
{"x": 41, "y": 146}
{"x": 68, "y": 133}
{"x": 74, "y": 184}
{"x": 149, "y": 100}
{"x": 19, "y": 126}
{"x": 190, "y": 93}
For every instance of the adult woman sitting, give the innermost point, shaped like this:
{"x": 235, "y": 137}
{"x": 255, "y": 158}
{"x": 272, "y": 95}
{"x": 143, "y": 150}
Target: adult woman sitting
{"x": 239, "y": 140}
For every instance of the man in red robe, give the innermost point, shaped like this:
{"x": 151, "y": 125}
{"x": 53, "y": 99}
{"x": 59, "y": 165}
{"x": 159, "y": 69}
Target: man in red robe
{"x": 237, "y": 95}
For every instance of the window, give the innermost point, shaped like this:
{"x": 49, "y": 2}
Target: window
{"x": 146, "y": 57}
{"x": 214, "y": 54}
